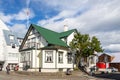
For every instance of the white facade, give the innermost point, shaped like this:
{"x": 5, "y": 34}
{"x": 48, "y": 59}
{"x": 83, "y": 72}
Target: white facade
{"x": 56, "y": 65}
{"x": 44, "y": 59}
{"x": 8, "y": 55}
{"x": 70, "y": 37}
{"x": 32, "y": 55}
{"x": 2, "y": 40}
{"x": 2, "y": 43}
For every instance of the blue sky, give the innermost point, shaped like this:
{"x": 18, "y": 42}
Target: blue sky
{"x": 99, "y": 18}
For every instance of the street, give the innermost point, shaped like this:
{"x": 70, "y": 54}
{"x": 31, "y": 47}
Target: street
{"x": 76, "y": 75}
{"x": 38, "y": 76}
{"x": 111, "y": 76}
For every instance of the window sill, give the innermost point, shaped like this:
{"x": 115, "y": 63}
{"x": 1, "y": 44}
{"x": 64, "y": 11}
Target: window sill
{"x": 48, "y": 62}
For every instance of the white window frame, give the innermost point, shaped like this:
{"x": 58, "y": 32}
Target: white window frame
{"x": 48, "y": 56}
{"x": 11, "y": 38}
{"x": 60, "y": 57}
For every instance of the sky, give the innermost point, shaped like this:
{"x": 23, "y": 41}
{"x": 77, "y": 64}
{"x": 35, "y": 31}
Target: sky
{"x": 100, "y": 18}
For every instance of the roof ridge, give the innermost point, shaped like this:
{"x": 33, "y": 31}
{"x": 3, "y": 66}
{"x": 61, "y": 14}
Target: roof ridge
{"x": 50, "y": 36}
{"x": 43, "y": 28}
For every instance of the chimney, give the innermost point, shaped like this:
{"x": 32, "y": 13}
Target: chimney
{"x": 65, "y": 28}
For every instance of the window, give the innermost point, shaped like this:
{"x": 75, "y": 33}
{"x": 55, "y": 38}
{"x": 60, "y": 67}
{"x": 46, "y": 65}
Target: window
{"x": 33, "y": 42}
{"x": 28, "y": 43}
{"x": 69, "y": 58}
{"x": 11, "y": 38}
{"x": 22, "y": 57}
{"x": 13, "y": 55}
{"x": 13, "y": 45}
{"x": 19, "y": 41}
{"x": 27, "y": 56}
{"x": 34, "y": 39}
{"x": 48, "y": 56}
{"x": 33, "y": 31}
{"x": 91, "y": 60}
{"x": 60, "y": 57}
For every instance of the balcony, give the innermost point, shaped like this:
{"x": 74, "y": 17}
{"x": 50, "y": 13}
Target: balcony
{"x": 31, "y": 45}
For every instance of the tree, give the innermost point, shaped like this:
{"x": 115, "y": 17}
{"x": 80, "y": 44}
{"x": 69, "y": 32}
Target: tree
{"x": 85, "y": 46}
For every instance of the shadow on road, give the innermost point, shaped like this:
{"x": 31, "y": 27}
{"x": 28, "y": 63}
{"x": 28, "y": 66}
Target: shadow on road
{"x": 113, "y": 76}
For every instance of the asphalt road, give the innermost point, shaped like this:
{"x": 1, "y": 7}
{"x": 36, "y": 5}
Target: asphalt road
{"x": 111, "y": 76}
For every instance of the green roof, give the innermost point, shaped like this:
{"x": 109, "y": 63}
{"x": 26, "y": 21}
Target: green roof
{"x": 66, "y": 33}
{"x": 52, "y": 37}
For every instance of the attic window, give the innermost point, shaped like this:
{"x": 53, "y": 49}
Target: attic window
{"x": 11, "y": 38}
{"x": 33, "y": 31}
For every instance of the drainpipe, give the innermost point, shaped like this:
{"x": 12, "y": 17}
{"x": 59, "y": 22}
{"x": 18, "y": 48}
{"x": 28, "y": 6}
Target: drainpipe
{"x": 56, "y": 59}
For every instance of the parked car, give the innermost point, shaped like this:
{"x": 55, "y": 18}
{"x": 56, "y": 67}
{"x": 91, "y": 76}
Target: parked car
{"x": 113, "y": 69}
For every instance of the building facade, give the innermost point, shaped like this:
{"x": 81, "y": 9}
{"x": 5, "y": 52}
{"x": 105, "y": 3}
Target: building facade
{"x": 45, "y": 50}
{"x": 11, "y": 48}
{"x": 9, "y": 44}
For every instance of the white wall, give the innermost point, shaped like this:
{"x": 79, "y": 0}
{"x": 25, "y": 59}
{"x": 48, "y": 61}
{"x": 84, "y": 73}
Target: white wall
{"x": 2, "y": 46}
{"x": 35, "y": 58}
{"x": 70, "y": 37}
{"x": 13, "y": 58}
{"x": 2, "y": 41}
{"x": 55, "y": 63}
{"x": 65, "y": 63}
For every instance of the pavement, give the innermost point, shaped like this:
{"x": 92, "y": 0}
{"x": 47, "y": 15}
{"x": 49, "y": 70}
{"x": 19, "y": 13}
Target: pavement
{"x": 25, "y": 75}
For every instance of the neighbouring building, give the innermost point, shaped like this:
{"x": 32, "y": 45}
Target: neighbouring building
{"x": 112, "y": 59}
{"x": 104, "y": 60}
{"x": 116, "y": 61}
{"x": 9, "y": 45}
{"x": 11, "y": 48}
{"x": 105, "y": 57}
{"x": 89, "y": 62}
{"x": 45, "y": 50}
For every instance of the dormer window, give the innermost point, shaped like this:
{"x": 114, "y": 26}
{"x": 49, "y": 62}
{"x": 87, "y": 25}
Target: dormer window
{"x": 33, "y": 31}
{"x": 11, "y": 38}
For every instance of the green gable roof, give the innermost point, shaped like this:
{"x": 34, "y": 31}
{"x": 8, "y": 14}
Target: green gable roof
{"x": 50, "y": 36}
{"x": 66, "y": 33}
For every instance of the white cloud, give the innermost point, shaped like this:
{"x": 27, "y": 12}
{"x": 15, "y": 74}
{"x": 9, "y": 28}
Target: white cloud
{"x": 100, "y": 18}
{"x": 113, "y": 47}
{"x": 6, "y": 18}
{"x": 21, "y": 15}
{"x": 19, "y": 28}
{"x": 108, "y": 37}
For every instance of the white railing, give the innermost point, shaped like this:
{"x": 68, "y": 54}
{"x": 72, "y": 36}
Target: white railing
{"x": 31, "y": 45}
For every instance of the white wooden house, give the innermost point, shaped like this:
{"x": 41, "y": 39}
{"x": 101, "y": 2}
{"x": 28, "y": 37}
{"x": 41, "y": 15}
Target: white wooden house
{"x": 9, "y": 45}
{"x": 11, "y": 48}
{"x": 46, "y": 50}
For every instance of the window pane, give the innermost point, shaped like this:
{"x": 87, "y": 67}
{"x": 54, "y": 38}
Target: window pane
{"x": 60, "y": 57}
{"x": 70, "y": 58}
{"x": 49, "y": 56}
